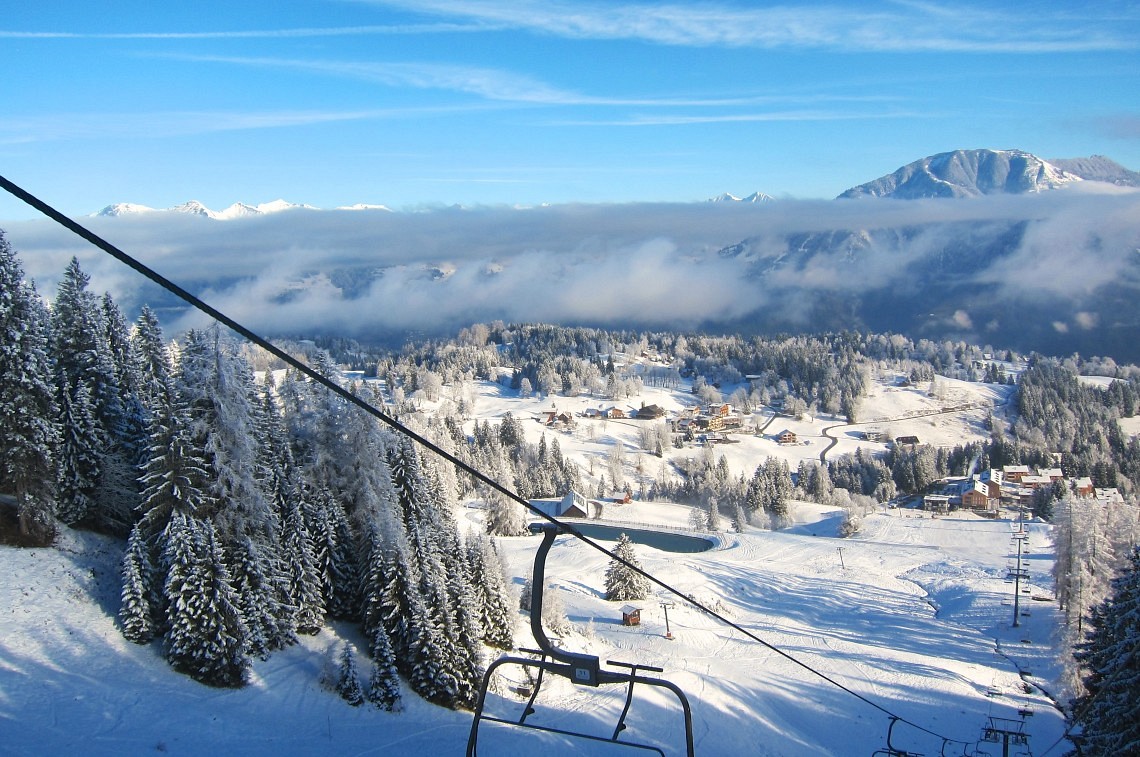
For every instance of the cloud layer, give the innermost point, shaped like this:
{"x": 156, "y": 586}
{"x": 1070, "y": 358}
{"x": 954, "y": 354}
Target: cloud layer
{"x": 373, "y": 274}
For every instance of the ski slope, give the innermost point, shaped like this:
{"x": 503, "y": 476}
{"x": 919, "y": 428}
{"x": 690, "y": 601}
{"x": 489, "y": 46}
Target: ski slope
{"x": 917, "y": 620}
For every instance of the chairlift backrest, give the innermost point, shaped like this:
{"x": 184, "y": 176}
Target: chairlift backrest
{"x": 581, "y": 669}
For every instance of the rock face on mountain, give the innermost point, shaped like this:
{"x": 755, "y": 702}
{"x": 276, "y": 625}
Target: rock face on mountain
{"x": 967, "y": 173}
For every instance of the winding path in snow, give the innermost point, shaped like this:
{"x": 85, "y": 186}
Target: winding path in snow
{"x": 946, "y": 411}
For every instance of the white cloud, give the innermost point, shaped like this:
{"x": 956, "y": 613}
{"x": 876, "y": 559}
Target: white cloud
{"x": 897, "y": 27}
{"x": 653, "y": 265}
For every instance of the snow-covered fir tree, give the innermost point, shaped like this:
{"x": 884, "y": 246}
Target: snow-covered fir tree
{"x": 153, "y": 368}
{"x": 335, "y": 552}
{"x": 85, "y": 377}
{"x": 304, "y": 577}
{"x": 492, "y": 598}
{"x": 136, "y": 615}
{"x": 623, "y": 583}
{"x": 80, "y": 455}
{"x": 384, "y": 682}
{"x": 206, "y": 635}
{"x": 118, "y": 496}
{"x": 505, "y": 517}
{"x": 1108, "y": 714}
{"x": 348, "y": 679}
{"x": 28, "y": 434}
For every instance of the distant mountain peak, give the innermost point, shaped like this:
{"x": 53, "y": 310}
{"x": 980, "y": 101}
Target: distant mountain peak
{"x": 194, "y": 208}
{"x": 754, "y": 197}
{"x": 967, "y": 173}
{"x": 364, "y": 206}
{"x": 123, "y": 209}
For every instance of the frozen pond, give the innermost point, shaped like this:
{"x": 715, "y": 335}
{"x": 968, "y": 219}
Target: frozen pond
{"x": 668, "y": 541}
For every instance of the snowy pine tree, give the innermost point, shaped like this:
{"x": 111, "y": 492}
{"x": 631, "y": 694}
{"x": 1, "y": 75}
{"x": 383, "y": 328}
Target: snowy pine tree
{"x": 135, "y": 612}
{"x": 384, "y": 683}
{"x": 334, "y": 551}
{"x": 85, "y": 378}
{"x": 118, "y": 496}
{"x": 1109, "y": 712}
{"x": 624, "y": 584}
{"x": 80, "y": 456}
{"x": 206, "y": 636}
{"x": 152, "y": 362}
{"x": 505, "y": 517}
{"x": 28, "y": 434}
{"x": 299, "y": 555}
{"x": 492, "y": 598}
{"x": 348, "y": 679}
{"x": 269, "y": 625}
{"x": 174, "y": 478}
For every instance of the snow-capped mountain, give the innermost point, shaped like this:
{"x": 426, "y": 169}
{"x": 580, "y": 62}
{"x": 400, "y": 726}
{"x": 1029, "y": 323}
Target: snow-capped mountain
{"x": 754, "y": 197}
{"x": 124, "y": 209}
{"x": 195, "y": 208}
{"x": 967, "y": 173}
{"x": 364, "y": 206}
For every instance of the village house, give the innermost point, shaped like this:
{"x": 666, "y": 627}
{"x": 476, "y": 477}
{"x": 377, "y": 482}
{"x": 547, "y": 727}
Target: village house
{"x": 936, "y": 503}
{"x": 993, "y": 480}
{"x": 977, "y": 496}
{"x": 1109, "y": 496}
{"x": 911, "y": 440}
{"x": 555, "y": 417}
{"x": 1014, "y": 473}
{"x": 650, "y": 412}
{"x": 732, "y": 422}
{"x": 1035, "y": 482}
{"x": 706, "y": 423}
{"x": 1083, "y": 487}
{"x": 786, "y": 437}
{"x": 720, "y": 409}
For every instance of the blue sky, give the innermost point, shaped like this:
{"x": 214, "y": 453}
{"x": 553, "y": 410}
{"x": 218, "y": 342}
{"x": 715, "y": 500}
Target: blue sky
{"x": 488, "y": 101}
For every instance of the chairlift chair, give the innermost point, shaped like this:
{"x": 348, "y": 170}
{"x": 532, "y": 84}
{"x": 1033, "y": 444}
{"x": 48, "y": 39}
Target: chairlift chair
{"x": 580, "y": 669}
{"x": 891, "y": 750}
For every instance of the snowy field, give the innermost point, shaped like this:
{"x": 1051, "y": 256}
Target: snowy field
{"x": 918, "y": 622}
{"x": 913, "y": 614}
{"x": 955, "y": 416}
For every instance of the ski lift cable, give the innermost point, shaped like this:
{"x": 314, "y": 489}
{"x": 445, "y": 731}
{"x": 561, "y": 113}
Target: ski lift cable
{"x": 157, "y": 278}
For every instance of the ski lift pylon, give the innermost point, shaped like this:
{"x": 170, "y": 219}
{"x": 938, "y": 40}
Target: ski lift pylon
{"x": 581, "y": 669}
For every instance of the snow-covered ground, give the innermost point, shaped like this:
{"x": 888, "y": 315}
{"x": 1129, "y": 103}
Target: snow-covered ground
{"x": 918, "y": 621}
{"x": 913, "y": 614}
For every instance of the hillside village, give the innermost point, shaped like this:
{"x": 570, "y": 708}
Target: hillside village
{"x": 1013, "y": 487}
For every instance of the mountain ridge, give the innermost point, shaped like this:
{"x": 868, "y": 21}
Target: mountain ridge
{"x": 954, "y": 174}
{"x": 968, "y": 173}
{"x": 237, "y": 210}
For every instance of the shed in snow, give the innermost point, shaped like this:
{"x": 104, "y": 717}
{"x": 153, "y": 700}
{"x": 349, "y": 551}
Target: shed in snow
{"x": 630, "y": 615}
